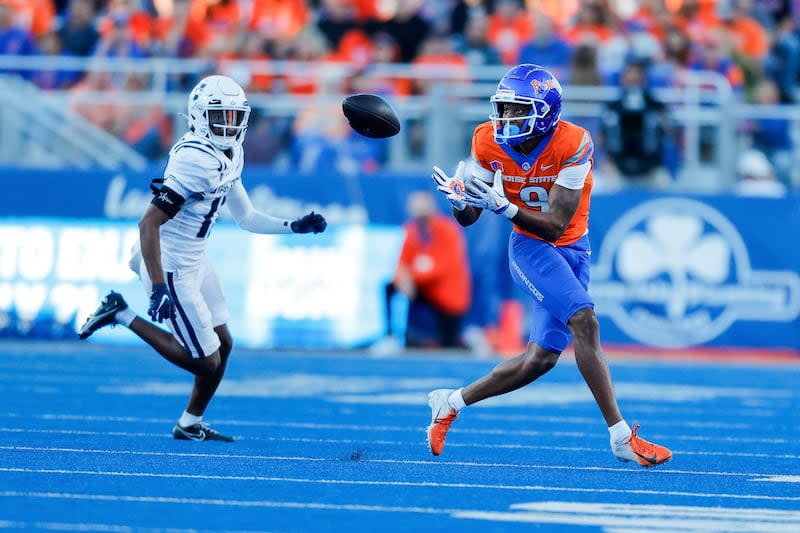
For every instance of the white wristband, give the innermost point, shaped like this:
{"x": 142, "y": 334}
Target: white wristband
{"x": 511, "y": 211}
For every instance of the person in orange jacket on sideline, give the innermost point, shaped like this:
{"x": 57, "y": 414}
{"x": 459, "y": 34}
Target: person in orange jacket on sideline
{"x": 433, "y": 273}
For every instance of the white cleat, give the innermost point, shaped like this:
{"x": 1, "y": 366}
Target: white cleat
{"x": 442, "y": 416}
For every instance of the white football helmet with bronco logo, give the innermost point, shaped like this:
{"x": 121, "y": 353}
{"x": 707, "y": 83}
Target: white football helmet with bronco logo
{"x": 218, "y": 111}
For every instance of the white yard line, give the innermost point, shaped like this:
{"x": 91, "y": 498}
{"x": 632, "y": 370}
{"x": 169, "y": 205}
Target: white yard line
{"x": 97, "y": 526}
{"x": 471, "y": 464}
{"x": 402, "y": 428}
{"x": 380, "y": 442}
{"x": 227, "y": 502}
{"x": 643, "y": 517}
{"x": 383, "y": 442}
{"x": 611, "y": 516}
{"x": 387, "y": 483}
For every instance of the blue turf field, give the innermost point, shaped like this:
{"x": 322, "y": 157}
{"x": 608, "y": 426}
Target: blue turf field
{"x": 336, "y": 442}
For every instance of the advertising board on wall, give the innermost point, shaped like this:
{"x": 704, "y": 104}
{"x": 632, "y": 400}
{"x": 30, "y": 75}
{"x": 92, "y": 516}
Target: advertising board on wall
{"x": 669, "y": 270}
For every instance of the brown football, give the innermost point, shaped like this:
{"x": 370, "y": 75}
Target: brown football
{"x": 371, "y": 116}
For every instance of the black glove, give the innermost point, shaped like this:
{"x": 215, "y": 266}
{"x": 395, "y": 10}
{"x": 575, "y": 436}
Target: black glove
{"x": 161, "y": 303}
{"x": 308, "y": 223}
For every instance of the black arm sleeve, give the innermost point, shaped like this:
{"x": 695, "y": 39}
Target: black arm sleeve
{"x": 168, "y": 201}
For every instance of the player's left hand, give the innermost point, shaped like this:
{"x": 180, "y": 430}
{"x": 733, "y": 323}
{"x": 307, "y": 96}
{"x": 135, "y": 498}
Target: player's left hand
{"x": 312, "y": 222}
{"x": 452, "y": 188}
{"x": 491, "y": 197}
{"x": 161, "y": 305}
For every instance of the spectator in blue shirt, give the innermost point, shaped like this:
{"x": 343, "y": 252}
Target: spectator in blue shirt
{"x": 474, "y": 43}
{"x": 783, "y": 61}
{"x": 118, "y": 42}
{"x": 50, "y": 46}
{"x": 78, "y": 34}
{"x": 323, "y": 142}
{"x": 772, "y": 136}
{"x": 13, "y": 40}
{"x": 547, "y": 48}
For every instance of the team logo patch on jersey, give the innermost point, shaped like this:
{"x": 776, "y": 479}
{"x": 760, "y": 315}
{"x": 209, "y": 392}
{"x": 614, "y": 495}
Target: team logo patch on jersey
{"x": 497, "y": 165}
{"x": 526, "y": 166}
{"x": 676, "y": 273}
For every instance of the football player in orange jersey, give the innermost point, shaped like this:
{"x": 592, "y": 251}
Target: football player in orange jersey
{"x": 536, "y": 170}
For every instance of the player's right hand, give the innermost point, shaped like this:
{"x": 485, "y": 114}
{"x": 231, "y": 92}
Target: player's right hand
{"x": 161, "y": 304}
{"x": 452, "y": 188}
{"x": 312, "y": 222}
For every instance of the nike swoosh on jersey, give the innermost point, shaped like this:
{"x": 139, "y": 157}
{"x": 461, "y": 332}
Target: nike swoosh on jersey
{"x": 546, "y": 167}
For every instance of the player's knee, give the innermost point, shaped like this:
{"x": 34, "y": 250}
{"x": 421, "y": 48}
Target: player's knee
{"x": 225, "y": 348}
{"x": 583, "y": 324}
{"x": 539, "y": 361}
{"x": 210, "y": 365}
{"x": 225, "y": 342}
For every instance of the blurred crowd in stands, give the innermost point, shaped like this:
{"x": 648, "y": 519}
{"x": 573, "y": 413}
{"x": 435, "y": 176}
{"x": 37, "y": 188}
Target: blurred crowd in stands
{"x": 755, "y": 44}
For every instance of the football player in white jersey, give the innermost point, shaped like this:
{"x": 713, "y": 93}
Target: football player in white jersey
{"x": 203, "y": 173}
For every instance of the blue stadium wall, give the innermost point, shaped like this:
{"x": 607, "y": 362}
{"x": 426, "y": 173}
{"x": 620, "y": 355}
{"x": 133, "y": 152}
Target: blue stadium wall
{"x": 669, "y": 270}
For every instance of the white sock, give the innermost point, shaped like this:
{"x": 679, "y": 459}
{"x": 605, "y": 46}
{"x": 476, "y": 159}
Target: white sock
{"x": 188, "y": 419}
{"x": 620, "y": 432}
{"x": 456, "y": 400}
{"x": 125, "y": 317}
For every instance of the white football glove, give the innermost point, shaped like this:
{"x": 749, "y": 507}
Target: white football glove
{"x": 452, "y": 188}
{"x": 491, "y": 197}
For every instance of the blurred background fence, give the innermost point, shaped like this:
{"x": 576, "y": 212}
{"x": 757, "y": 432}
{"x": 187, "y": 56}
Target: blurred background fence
{"x": 56, "y": 128}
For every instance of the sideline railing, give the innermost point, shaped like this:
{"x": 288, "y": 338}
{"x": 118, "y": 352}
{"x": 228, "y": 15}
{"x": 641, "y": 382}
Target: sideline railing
{"x": 456, "y": 100}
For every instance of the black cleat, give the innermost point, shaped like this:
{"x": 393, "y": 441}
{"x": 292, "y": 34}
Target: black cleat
{"x": 201, "y": 431}
{"x": 104, "y": 315}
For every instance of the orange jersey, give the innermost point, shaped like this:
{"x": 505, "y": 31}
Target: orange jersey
{"x": 563, "y": 156}
{"x": 439, "y": 265}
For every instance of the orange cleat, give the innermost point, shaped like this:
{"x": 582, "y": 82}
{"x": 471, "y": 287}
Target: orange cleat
{"x": 442, "y": 416}
{"x": 641, "y": 451}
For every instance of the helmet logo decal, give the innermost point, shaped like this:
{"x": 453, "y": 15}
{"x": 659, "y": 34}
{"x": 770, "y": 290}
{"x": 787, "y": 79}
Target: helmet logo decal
{"x": 542, "y": 86}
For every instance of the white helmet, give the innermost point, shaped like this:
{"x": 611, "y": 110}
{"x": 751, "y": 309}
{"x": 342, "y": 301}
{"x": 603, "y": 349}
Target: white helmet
{"x": 218, "y": 111}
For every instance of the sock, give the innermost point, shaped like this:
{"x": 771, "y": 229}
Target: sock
{"x": 619, "y": 432}
{"x": 125, "y": 317}
{"x": 456, "y": 400}
{"x": 188, "y": 419}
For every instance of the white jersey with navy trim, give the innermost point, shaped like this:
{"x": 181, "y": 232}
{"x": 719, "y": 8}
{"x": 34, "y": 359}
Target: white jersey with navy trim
{"x": 203, "y": 175}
